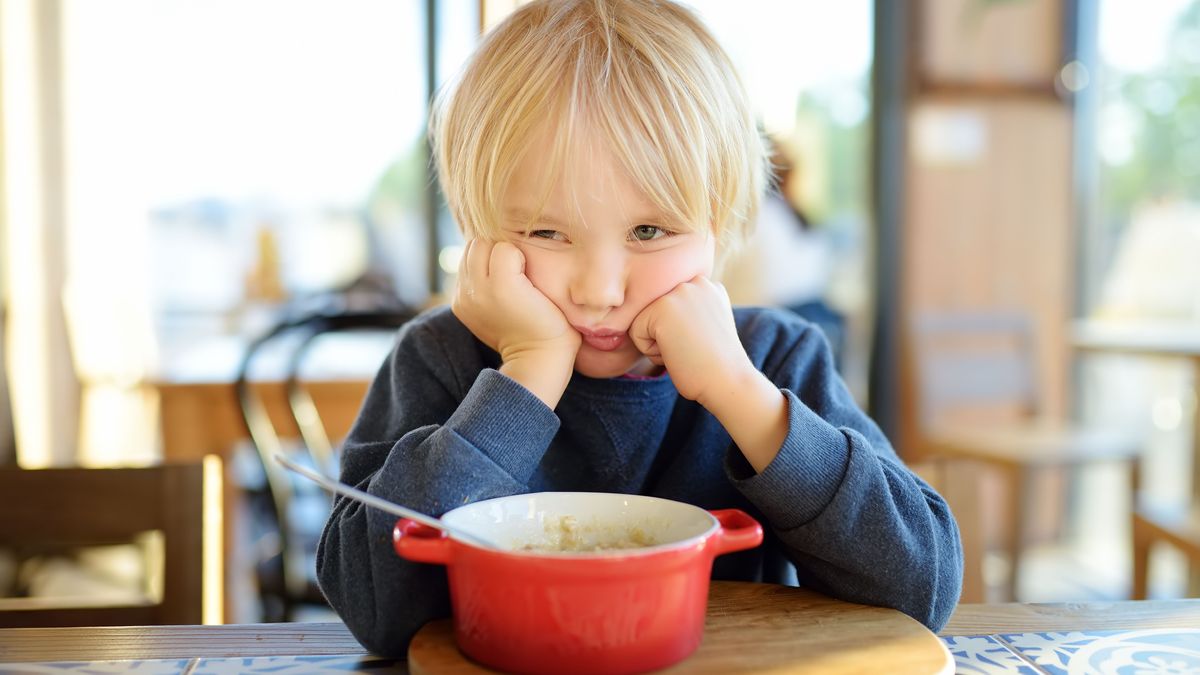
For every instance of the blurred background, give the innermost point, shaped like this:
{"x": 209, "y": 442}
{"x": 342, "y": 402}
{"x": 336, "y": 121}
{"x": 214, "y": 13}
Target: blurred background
{"x": 180, "y": 178}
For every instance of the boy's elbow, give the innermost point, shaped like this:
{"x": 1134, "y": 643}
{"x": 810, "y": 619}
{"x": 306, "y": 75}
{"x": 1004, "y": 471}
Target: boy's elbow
{"x": 940, "y": 610}
{"x": 383, "y": 609}
{"x": 933, "y": 609}
{"x": 345, "y": 583}
{"x": 388, "y": 637}
{"x": 386, "y": 641}
{"x": 946, "y": 588}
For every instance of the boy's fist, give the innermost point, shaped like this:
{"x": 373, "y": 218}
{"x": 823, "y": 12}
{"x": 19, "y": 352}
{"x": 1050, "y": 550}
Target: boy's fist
{"x": 691, "y": 332}
{"x": 497, "y": 302}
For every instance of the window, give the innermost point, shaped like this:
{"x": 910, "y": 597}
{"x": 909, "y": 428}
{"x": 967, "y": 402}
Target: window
{"x": 1138, "y": 262}
{"x": 226, "y": 158}
{"x": 807, "y": 69}
{"x": 233, "y": 154}
{"x": 1147, "y": 235}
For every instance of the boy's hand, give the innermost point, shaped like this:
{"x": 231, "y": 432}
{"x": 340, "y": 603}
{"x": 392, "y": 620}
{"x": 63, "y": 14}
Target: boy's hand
{"x": 497, "y": 302}
{"x": 690, "y": 330}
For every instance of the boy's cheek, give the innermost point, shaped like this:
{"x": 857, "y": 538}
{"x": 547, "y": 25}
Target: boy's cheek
{"x": 661, "y": 278}
{"x": 540, "y": 271}
{"x": 657, "y": 282}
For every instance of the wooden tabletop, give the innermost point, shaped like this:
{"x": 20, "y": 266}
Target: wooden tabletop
{"x": 987, "y": 619}
{"x": 171, "y": 642}
{"x": 761, "y": 628}
{"x": 750, "y": 627}
{"x": 820, "y": 633}
{"x": 1152, "y": 338}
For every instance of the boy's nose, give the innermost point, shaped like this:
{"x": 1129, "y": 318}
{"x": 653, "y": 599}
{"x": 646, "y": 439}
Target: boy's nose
{"x": 598, "y": 283}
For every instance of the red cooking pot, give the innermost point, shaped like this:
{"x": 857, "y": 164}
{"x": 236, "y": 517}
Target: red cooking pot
{"x": 582, "y": 582}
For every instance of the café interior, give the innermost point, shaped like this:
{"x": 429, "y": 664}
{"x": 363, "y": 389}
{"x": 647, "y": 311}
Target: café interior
{"x": 215, "y": 216}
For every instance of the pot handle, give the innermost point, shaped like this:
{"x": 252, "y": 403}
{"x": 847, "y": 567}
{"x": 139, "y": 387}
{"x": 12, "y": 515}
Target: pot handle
{"x": 738, "y": 531}
{"x": 420, "y": 543}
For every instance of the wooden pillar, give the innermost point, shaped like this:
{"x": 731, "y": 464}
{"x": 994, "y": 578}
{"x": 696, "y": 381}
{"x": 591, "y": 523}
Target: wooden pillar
{"x": 42, "y": 382}
{"x": 988, "y": 220}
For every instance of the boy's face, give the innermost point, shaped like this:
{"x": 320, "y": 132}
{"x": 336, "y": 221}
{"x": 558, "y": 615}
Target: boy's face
{"x": 601, "y": 251}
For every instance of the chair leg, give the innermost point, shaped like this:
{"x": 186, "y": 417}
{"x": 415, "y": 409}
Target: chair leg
{"x": 1018, "y": 507}
{"x": 1141, "y": 560}
{"x": 1140, "y": 538}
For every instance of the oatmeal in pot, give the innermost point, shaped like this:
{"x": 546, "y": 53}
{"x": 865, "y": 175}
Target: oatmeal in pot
{"x": 564, "y": 534}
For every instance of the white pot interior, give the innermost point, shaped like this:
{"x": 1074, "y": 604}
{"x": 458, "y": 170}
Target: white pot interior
{"x": 583, "y": 523}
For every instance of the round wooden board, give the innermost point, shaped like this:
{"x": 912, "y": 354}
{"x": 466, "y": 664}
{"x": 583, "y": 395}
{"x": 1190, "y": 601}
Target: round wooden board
{"x": 761, "y": 628}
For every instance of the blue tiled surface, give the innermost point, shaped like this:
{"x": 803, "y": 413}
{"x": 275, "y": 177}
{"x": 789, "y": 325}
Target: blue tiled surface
{"x": 286, "y": 665}
{"x": 1165, "y": 651}
{"x": 277, "y": 665}
{"x": 984, "y": 655}
{"x": 1051, "y": 652}
{"x": 142, "y": 667}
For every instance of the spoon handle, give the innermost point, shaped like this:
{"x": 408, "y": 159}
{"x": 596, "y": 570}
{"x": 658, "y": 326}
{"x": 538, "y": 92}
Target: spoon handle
{"x": 381, "y": 504}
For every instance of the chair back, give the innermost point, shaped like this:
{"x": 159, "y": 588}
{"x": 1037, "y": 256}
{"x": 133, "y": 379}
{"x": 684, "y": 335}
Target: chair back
{"x": 970, "y": 362}
{"x": 63, "y": 508}
{"x": 316, "y": 448}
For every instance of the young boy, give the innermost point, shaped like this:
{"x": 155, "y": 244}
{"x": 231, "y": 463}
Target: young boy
{"x": 600, "y": 157}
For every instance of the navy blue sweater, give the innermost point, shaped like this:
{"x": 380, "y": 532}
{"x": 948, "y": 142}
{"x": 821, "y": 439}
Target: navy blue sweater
{"x": 441, "y": 427}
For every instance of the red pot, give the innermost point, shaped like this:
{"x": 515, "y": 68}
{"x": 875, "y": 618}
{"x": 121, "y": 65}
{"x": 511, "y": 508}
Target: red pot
{"x": 607, "y": 611}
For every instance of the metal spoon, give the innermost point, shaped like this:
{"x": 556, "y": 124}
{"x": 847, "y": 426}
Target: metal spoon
{"x": 383, "y": 504}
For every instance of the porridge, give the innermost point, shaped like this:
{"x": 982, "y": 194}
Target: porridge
{"x": 564, "y": 534}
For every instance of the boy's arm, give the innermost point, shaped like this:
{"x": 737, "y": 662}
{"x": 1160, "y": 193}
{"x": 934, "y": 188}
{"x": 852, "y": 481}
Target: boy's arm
{"x": 755, "y": 413}
{"x": 856, "y": 522}
{"x": 430, "y": 442}
{"x": 691, "y": 331}
{"x": 544, "y": 374}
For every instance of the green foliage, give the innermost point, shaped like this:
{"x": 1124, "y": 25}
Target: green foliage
{"x": 843, "y": 160}
{"x": 401, "y": 187}
{"x": 1165, "y": 107}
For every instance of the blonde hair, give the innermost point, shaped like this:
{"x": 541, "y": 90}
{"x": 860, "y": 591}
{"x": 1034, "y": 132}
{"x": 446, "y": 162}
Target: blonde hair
{"x": 645, "y": 74}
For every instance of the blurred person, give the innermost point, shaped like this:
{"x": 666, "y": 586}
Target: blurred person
{"x": 588, "y": 349}
{"x": 787, "y": 262}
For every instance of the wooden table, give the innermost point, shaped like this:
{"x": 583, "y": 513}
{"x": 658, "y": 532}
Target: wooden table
{"x": 203, "y": 418}
{"x": 751, "y": 627}
{"x": 1155, "y": 339}
{"x": 1159, "y": 339}
{"x": 823, "y": 633}
{"x": 200, "y": 412}
{"x": 1025, "y": 617}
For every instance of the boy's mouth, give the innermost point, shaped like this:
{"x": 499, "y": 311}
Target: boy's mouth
{"x": 602, "y": 339}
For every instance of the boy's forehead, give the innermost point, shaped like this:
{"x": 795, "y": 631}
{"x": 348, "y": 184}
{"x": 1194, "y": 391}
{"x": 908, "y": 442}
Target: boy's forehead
{"x": 589, "y": 176}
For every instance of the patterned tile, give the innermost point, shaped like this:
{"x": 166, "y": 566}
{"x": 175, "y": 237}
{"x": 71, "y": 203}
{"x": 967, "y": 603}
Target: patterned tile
{"x": 1051, "y": 652}
{"x": 141, "y": 667}
{"x": 297, "y": 665}
{"x": 277, "y": 665}
{"x": 1165, "y": 651}
{"x": 984, "y": 655}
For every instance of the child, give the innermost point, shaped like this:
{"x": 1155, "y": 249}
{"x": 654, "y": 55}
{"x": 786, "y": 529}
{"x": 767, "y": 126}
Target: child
{"x": 600, "y": 157}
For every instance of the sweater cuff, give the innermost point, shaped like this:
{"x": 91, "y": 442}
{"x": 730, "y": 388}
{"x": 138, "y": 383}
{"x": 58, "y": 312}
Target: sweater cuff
{"x": 506, "y": 422}
{"x": 804, "y": 477}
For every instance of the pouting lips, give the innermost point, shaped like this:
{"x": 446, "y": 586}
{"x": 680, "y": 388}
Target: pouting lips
{"x": 605, "y": 343}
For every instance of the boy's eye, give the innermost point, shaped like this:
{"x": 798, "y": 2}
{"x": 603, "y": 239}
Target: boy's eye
{"x": 648, "y": 232}
{"x": 547, "y": 234}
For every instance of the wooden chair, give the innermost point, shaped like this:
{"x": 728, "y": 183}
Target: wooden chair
{"x": 291, "y": 511}
{"x": 978, "y": 399}
{"x": 57, "y": 510}
{"x": 1178, "y": 527}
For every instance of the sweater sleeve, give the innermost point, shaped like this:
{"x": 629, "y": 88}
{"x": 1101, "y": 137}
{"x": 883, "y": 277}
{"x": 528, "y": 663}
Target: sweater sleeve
{"x": 428, "y": 441}
{"x": 857, "y": 523}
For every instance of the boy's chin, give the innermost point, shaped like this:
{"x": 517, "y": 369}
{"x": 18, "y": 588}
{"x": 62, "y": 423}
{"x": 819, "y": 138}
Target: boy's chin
{"x": 602, "y": 365}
